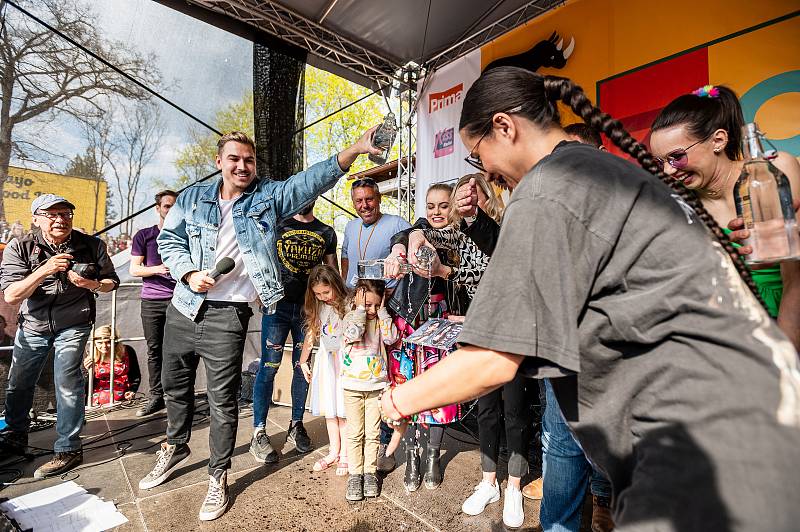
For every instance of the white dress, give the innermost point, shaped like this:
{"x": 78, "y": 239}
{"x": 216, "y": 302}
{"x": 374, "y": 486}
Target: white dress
{"x": 327, "y": 397}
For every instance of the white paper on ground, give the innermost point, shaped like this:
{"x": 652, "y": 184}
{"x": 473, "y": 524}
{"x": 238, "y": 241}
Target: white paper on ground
{"x": 66, "y": 507}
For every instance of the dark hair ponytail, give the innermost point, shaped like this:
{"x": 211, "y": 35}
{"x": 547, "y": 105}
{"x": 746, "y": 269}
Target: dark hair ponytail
{"x": 504, "y": 88}
{"x": 703, "y": 115}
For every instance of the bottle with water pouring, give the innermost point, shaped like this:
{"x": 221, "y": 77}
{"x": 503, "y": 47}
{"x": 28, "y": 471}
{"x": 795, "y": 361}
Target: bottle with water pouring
{"x": 376, "y": 268}
{"x": 763, "y": 200}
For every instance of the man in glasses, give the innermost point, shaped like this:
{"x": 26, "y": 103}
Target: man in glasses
{"x": 40, "y": 272}
{"x": 369, "y": 236}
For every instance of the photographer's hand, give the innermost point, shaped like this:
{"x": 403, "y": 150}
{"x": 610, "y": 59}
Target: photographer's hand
{"x": 83, "y": 282}
{"x": 55, "y": 264}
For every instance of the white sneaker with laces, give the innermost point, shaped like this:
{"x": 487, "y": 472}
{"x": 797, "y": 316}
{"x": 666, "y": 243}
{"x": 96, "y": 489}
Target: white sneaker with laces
{"x": 485, "y": 493}
{"x": 216, "y": 497}
{"x": 513, "y": 514}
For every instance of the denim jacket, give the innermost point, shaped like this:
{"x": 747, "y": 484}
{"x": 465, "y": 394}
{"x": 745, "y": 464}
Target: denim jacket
{"x": 188, "y": 238}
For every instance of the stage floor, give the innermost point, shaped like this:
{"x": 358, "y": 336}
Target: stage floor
{"x": 283, "y": 496}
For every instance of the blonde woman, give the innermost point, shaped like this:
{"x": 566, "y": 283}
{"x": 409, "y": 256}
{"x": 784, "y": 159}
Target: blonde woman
{"x": 127, "y": 375}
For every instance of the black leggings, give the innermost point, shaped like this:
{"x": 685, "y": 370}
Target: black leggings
{"x": 508, "y": 402}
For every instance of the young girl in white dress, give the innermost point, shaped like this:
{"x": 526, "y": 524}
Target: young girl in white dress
{"x": 324, "y": 310}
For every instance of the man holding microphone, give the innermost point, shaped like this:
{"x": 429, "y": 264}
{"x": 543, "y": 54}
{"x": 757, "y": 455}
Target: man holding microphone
{"x": 235, "y": 217}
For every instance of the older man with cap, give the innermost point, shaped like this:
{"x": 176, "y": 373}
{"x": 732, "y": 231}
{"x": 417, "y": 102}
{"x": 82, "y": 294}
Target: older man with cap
{"x": 54, "y": 274}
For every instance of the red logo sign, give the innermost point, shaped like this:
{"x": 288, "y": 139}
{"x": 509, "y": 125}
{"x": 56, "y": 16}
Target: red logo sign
{"x": 439, "y": 100}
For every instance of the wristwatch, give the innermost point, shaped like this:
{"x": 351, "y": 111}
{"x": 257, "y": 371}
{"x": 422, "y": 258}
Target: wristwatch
{"x": 97, "y": 290}
{"x": 471, "y": 219}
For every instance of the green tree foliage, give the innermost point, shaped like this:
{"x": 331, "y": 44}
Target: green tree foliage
{"x": 324, "y": 93}
{"x": 196, "y": 160}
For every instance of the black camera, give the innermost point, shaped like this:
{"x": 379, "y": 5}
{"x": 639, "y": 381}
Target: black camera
{"x": 86, "y": 270}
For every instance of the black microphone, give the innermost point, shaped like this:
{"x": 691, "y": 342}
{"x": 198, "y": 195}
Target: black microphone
{"x": 225, "y": 265}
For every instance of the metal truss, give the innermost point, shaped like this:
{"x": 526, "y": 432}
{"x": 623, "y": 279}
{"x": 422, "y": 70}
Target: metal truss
{"x": 407, "y": 144}
{"x": 279, "y": 21}
{"x": 513, "y": 20}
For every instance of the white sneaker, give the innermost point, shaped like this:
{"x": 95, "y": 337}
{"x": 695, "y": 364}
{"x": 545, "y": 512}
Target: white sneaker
{"x": 217, "y": 496}
{"x": 513, "y": 514}
{"x": 485, "y": 493}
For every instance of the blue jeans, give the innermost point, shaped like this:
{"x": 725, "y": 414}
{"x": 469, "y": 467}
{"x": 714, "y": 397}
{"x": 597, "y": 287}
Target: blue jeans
{"x": 30, "y": 354}
{"x": 275, "y": 330}
{"x": 565, "y": 470}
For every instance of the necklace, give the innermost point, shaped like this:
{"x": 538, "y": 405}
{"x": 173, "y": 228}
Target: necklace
{"x": 366, "y": 246}
{"x": 716, "y": 194}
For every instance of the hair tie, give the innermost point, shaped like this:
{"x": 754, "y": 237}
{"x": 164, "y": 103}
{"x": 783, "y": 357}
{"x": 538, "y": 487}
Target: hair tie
{"x": 707, "y": 91}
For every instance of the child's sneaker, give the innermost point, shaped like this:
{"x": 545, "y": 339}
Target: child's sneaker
{"x": 371, "y": 485}
{"x": 485, "y": 493}
{"x": 355, "y": 488}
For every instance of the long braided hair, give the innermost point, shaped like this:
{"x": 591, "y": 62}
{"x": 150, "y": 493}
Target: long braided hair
{"x": 536, "y": 96}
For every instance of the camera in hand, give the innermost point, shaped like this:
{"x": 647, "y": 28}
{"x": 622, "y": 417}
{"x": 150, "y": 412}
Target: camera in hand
{"x": 86, "y": 270}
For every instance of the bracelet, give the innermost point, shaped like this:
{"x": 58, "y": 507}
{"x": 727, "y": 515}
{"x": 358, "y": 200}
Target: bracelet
{"x": 389, "y": 421}
{"x": 391, "y": 399}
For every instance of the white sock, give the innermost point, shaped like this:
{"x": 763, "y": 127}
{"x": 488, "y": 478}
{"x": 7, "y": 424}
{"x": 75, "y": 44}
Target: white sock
{"x": 257, "y": 430}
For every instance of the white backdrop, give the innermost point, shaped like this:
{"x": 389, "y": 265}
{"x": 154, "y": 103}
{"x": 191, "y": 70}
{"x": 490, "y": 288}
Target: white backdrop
{"x": 440, "y": 153}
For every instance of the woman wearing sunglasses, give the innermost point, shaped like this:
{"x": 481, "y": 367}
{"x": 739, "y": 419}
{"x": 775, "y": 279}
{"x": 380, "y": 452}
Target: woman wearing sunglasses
{"x": 630, "y": 299}
{"x": 697, "y": 140}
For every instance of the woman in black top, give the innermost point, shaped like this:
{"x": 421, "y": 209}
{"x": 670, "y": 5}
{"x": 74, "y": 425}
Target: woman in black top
{"x": 627, "y": 294}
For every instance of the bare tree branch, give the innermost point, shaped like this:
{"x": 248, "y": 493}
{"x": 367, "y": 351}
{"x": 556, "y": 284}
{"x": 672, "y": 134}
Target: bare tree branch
{"x": 43, "y": 75}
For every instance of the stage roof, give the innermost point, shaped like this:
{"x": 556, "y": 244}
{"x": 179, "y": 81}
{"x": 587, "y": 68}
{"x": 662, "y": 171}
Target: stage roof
{"x": 369, "y": 41}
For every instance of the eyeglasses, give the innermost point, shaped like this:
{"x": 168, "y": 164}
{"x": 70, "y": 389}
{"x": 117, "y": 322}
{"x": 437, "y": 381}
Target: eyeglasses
{"x": 66, "y": 215}
{"x": 475, "y": 160}
{"x": 364, "y": 182}
{"x": 678, "y": 159}
{"x": 102, "y": 340}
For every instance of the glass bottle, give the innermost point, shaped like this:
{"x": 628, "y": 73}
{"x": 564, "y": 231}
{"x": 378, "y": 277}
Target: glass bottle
{"x": 763, "y": 200}
{"x": 375, "y": 268}
{"x": 384, "y": 138}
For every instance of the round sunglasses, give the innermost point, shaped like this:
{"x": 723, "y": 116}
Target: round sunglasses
{"x": 678, "y": 159}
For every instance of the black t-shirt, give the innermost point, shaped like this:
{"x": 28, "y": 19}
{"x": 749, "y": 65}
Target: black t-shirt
{"x": 685, "y": 392}
{"x": 301, "y": 246}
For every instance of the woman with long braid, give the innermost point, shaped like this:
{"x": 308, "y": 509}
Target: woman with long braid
{"x": 629, "y": 298}
{"x": 698, "y": 140}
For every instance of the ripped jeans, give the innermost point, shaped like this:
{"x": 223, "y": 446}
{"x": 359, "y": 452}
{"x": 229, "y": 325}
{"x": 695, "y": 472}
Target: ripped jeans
{"x": 275, "y": 330}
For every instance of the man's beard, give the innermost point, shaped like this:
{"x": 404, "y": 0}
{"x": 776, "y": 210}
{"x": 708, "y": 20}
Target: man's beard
{"x": 307, "y": 210}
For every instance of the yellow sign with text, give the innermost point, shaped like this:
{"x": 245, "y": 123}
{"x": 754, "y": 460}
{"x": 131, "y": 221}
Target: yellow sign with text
{"x": 88, "y": 195}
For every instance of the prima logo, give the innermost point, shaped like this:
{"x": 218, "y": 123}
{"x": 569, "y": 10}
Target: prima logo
{"x": 439, "y": 100}
{"x": 443, "y": 143}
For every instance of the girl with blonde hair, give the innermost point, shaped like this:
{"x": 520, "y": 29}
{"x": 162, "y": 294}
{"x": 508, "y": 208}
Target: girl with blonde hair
{"x": 127, "y": 375}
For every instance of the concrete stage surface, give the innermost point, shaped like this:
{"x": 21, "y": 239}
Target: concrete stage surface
{"x": 287, "y": 496}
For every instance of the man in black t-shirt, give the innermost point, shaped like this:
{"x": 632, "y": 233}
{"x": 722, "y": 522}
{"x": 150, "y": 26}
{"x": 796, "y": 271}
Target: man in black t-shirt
{"x": 303, "y": 242}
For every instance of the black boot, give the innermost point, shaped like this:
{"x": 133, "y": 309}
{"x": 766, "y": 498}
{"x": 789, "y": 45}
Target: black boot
{"x": 433, "y": 473}
{"x": 412, "y": 479}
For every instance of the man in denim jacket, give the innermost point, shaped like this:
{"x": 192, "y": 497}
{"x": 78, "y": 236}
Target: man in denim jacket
{"x": 236, "y": 217}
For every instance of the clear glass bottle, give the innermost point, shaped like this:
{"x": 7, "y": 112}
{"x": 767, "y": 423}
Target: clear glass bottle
{"x": 763, "y": 200}
{"x": 384, "y": 138}
{"x": 375, "y": 268}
